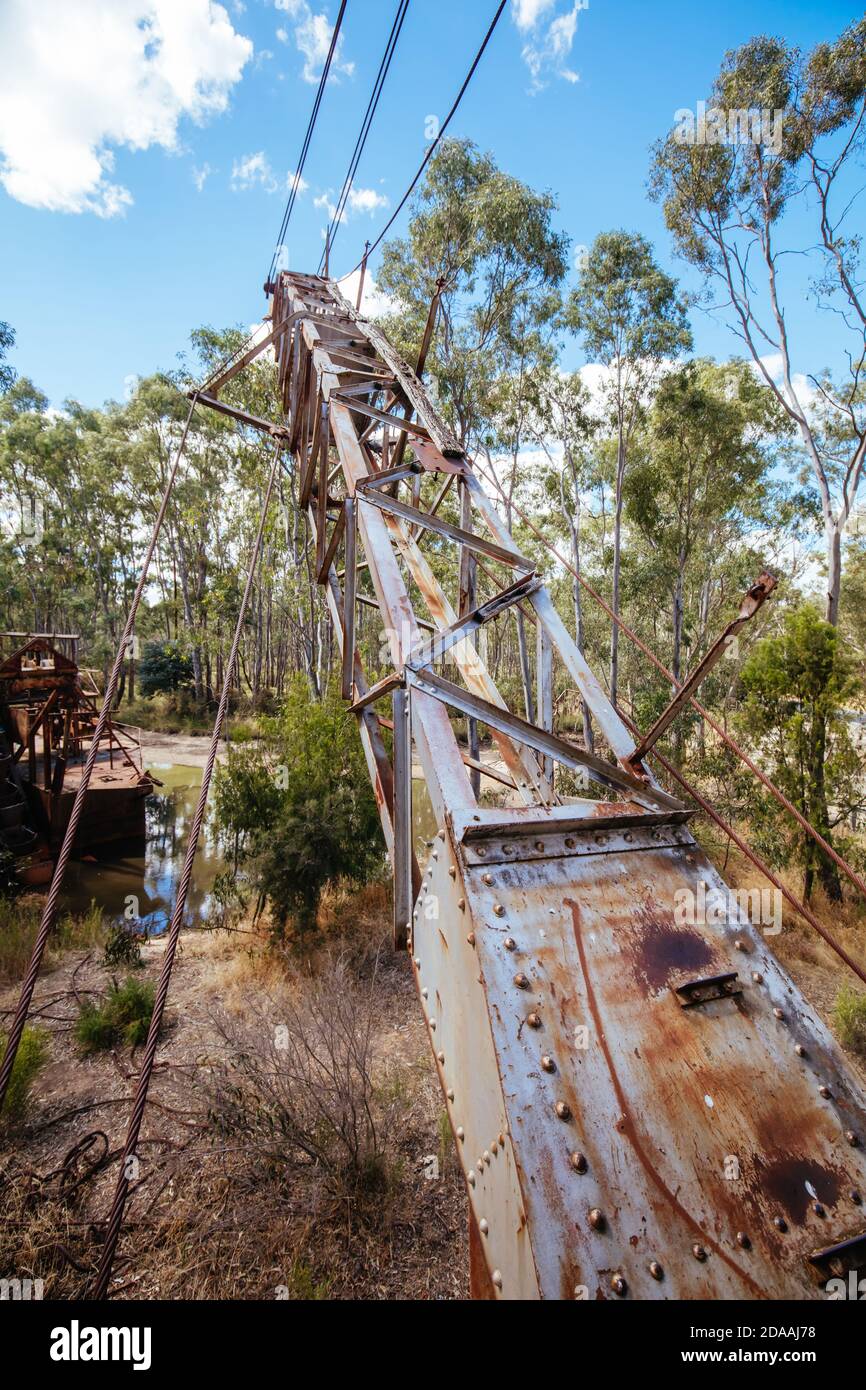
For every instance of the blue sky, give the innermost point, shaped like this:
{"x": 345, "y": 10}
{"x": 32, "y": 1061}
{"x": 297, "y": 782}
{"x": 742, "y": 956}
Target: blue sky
{"x": 179, "y": 169}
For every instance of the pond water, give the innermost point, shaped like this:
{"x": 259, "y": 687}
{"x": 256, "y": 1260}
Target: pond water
{"x": 126, "y": 881}
{"x": 121, "y": 874}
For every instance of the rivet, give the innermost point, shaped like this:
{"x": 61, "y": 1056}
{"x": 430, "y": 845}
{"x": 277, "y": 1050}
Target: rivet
{"x": 507, "y": 849}
{"x": 433, "y": 1025}
{"x": 534, "y": 1020}
{"x": 510, "y": 944}
{"x": 548, "y": 1064}
{"x": 619, "y": 1286}
{"x": 480, "y": 1165}
{"x": 628, "y": 837}
{"x": 441, "y": 834}
{"x": 471, "y": 938}
{"x": 486, "y": 1157}
{"x": 498, "y": 910}
{"x": 539, "y": 844}
{"x": 461, "y": 903}
{"x": 440, "y": 1057}
{"x": 470, "y": 1178}
{"x": 488, "y": 879}
{"x": 757, "y": 977}
{"x": 416, "y": 962}
{"x": 452, "y": 871}
{"x": 569, "y": 842}
{"x": 780, "y": 1223}
{"x": 601, "y": 839}
{"x": 494, "y": 1147}
{"x": 481, "y": 852}
{"x": 425, "y": 991}
{"x": 483, "y": 1226}
{"x": 743, "y": 1240}
{"x": 656, "y": 1270}
{"x": 435, "y": 854}
{"x": 699, "y": 1253}
{"x": 461, "y": 1134}
{"x": 825, "y": 1092}
{"x": 597, "y": 1219}
{"x": 497, "y": 1279}
{"x": 521, "y": 980}
{"x": 855, "y": 1196}
{"x": 800, "y": 1050}
{"x": 818, "y": 1209}
{"x": 853, "y": 1139}
{"x": 740, "y": 944}
{"x": 450, "y": 1094}
{"x": 778, "y": 1013}
{"x": 563, "y": 1110}
{"x": 578, "y": 1162}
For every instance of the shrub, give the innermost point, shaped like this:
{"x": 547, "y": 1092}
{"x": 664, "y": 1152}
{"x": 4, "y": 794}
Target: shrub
{"x": 163, "y": 667}
{"x": 849, "y": 1013}
{"x": 123, "y": 1016}
{"x": 299, "y": 809}
{"x": 297, "y": 1085}
{"x": 121, "y": 947}
{"x": 31, "y": 1058}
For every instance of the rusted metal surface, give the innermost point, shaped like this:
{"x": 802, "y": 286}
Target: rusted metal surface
{"x": 643, "y": 1104}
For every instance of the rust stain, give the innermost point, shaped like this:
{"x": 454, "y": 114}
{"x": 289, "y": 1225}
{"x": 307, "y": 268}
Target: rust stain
{"x": 784, "y": 1180}
{"x": 662, "y": 952}
{"x": 629, "y": 1128}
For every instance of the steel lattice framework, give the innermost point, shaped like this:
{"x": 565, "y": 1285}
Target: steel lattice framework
{"x": 642, "y": 1102}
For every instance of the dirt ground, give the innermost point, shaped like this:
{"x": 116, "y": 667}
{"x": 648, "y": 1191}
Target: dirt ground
{"x": 205, "y": 1221}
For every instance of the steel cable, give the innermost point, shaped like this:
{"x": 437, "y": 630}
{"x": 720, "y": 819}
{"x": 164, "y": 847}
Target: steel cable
{"x": 115, "y": 1219}
{"x": 49, "y": 914}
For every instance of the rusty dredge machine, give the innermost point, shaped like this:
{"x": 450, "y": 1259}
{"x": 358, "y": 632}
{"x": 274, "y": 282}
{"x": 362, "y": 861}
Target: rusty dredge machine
{"x": 48, "y": 714}
{"x": 643, "y": 1104}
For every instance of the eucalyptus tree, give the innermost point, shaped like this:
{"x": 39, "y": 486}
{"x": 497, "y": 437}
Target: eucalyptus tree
{"x": 490, "y": 242}
{"x": 767, "y": 181}
{"x": 631, "y": 319}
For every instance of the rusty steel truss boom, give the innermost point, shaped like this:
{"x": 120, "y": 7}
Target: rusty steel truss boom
{"x": 642, "y": 1102}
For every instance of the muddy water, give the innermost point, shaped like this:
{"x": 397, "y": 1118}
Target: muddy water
{"x": 126, "y": 881}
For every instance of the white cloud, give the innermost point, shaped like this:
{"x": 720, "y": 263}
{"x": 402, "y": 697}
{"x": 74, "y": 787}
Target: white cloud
{"x": 528, "y": 12}
{"x": 549, "y": 42}
{"x": 200, "y": 175}
{"x": 366, "y": 200}
{"x": 375, "y": 302}
{"x": 312, "y": 34}
{"x": 254, "y": 171}
{"x": 80, "y": 80}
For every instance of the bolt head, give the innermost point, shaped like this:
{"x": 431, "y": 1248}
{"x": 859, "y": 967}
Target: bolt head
{"x": 483, "y": 1226}
{"x": 488, "y": 879}
{"x": 461, "y": 1134}
{"x": 597, "y": 1219}
{"x": 548, "y": 1064}
{"x": 699, "y": 1253}
{"x": 825, "y": 1092}
{"x": 497, "y": 1279}
{"x": 619, "y": 1286}
{"x": 470, "y": 1178}
{"x": 498, "y": 910}
{"x": 779, "y": 1013}
{"x": 521, "y": 980}
{"x": 800, "y": 1050}
{"x": 656, "y": 1270}
{"x": 563, "y": 1110}
{"x": 578, "y": 1162}
{"x": 743, "y": 1240}
{"x": 534, "y": 1020}
{"x": 471, "y": 938}
{"x": 452, "y": 872}
{"x": 757, "y": 977}
{"x": 510, "y": 944}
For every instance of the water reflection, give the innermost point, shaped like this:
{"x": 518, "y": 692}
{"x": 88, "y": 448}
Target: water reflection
{"x": 126, "y": 879}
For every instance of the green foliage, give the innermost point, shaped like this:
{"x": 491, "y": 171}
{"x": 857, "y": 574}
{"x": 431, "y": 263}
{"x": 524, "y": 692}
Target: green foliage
{"x": 30, "y": 1059}
{"x": 123, "y": 1016}
{"x": 299, "y": 810}
{"x": 121, "y": 948}
{"x": 7, "y": 340}
{"x": 163, "y": 667}
{"x": 849, "y": 1014}
{"x": 795, "y": 687}
{"x": 625, "y": 307}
